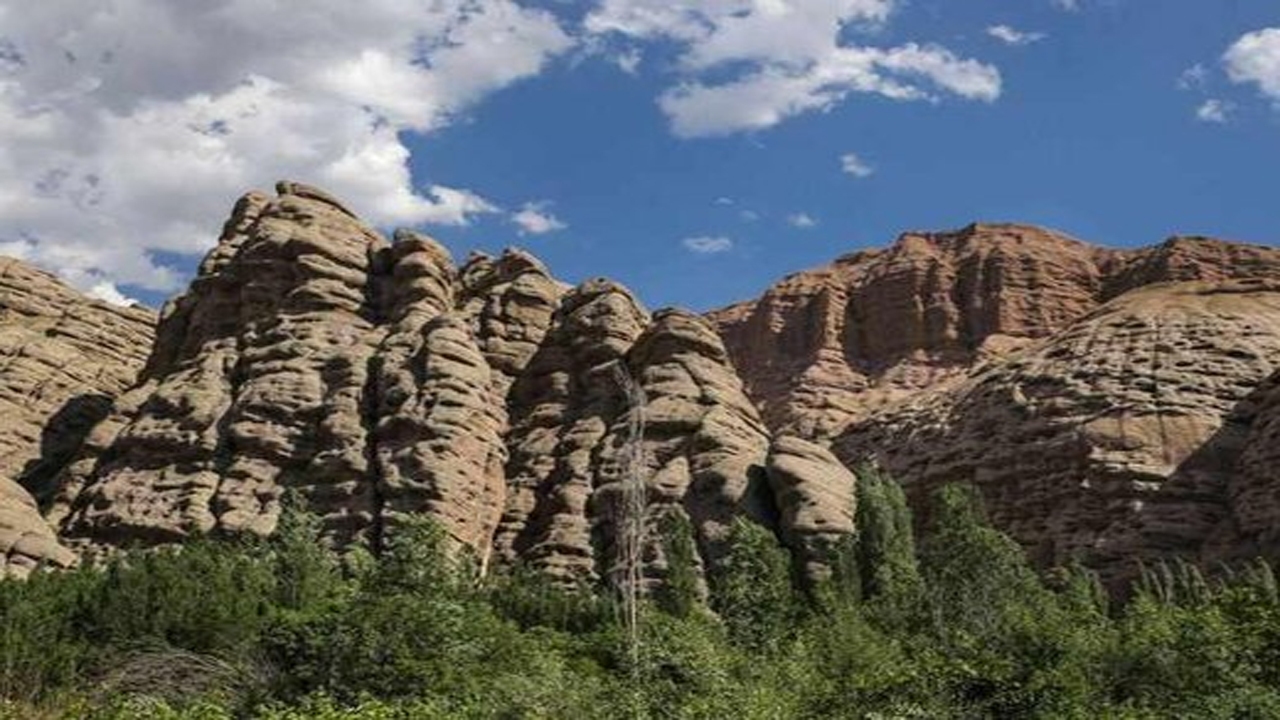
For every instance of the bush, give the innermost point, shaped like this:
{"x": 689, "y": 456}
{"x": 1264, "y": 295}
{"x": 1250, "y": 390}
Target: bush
{"x": 963, "y": 628}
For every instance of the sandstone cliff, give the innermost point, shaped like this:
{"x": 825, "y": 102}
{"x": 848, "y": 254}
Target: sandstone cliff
{"x": 379, "y": 381}
{"x": 1110, "y": 405}
{"x": 1135, "y": 433}
{"x": 65, "y": 359}
{"x": 826, "y": 347}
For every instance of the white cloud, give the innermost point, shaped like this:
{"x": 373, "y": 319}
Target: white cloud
{"x": 708, "y": 245}
{"x": 1066, "y": 5}
{"x": 534, "y": 219}
{"x": 801, "y": 220}
{"x": 722, "y": 200}
{"x": 1255, "y": 58}
{"x": 748, "y": 65}
{"x": 1012, "y": 36}
{"x": 749, "y": 215}
{"x": 1214, "y": 111}
{"x": 128, "y": 129}
{"x": 108, "y": 292}
{"x": 853, "y": 165}
{"x": 1195, "y": 77}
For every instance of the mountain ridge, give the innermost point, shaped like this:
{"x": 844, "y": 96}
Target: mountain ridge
{"x": 381, "y": 380}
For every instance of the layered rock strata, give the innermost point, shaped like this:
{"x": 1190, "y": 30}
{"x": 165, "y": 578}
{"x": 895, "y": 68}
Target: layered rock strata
{"x": 377, "y": 382}
{"x": 1144, "y": 430}
{"x": 63, "y": 360}
{"x": 827, "y": 347}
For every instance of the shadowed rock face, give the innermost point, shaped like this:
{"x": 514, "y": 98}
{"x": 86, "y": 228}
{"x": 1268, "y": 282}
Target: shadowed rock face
{"x": 63, "y": 359}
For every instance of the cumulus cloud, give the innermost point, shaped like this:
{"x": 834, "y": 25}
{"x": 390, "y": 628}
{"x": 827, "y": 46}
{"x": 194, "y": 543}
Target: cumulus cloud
{"x": 534, "y": 219}
{"x": 128, "y": 129}
{"x": 1255, "y": 59}
{"x": 1013, "y": 36}
{"x": 801, "y": 220}
{"x": 747, "y": 66}
{"x": 707, "y": 244}
{"x": 853, "y": 165}
{"x": 1214, "y": 111}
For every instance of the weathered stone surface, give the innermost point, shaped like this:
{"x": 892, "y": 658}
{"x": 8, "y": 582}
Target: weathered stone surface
{"x": 63, "y": 359}
{"x": 1117, "y": 440}
{"x": 561, "y": 410}
{"x": 703, "y": 444}
{"x": 815, "y": 495}
{"x": 26, "y": 540}
{"x": 378, "y": 381}
{"x": 826, "y": 347}
{"x": 257, "y": 385}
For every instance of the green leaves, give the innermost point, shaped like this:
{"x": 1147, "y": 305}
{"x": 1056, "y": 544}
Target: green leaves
{"x": 963, "y": 627}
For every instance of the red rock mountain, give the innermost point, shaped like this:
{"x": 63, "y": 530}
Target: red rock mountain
{"x": 826, "y": 347}
{"x": 1110, "y": 405}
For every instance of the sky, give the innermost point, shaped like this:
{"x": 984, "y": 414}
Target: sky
{"x": 694, "y": 150}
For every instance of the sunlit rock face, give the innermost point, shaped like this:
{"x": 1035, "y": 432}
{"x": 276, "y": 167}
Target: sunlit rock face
{"x": 378, "y": 381}
{"x": 1111, "y": 406}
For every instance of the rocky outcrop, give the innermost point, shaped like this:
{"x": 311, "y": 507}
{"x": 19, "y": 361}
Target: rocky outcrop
{"x": 26, "y": 540}
{"x": 827, "y": 347}
{"x": 815, "y": 495}
{"x": 63, "y": 360}
{"x": 378, "y": 382}
{"x": 1104, "y": 413}
{"x": 1137, "y": 432}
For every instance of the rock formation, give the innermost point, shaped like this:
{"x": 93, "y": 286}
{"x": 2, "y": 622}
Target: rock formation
{"x": 815, "y": 495}
{"x": 827, "y": 347}
{"x": 66, "y": 358}
{"x": 1138, "y": 432}
{"x": 377, "y": 381}
{"x": 1111, "y": 405}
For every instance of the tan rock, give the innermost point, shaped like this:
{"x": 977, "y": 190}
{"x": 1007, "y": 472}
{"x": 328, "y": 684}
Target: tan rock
{"x": 26, "y": 540}
{"x": 63, "y": 358}
{"x": 815, "y": 495}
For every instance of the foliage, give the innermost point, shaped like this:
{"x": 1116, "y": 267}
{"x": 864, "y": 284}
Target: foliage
{"x": 952, "y": 623}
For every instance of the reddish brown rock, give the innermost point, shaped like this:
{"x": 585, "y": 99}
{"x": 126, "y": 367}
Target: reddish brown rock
{"x": 826, "y": 347}
{"x": 1119, "y": 439}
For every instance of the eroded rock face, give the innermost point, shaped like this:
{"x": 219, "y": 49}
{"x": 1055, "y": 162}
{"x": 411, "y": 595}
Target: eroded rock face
{"x": 828, "y": 347}
{"x": 26, "y": 540}
{"x": 815, "y": 494}
{"x": 65, "y": 359}
{"x": 378, "y": 382}
{"x": 1137, "y": 432}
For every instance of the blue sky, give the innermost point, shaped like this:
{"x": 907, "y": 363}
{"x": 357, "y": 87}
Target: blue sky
{"x": 1120, "y": 122}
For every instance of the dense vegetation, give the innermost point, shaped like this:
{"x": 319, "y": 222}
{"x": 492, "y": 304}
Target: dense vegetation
{"x": 955, "y": 626}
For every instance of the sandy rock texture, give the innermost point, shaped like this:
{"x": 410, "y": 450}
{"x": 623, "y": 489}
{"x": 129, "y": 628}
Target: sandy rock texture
{"x": 1111, "y": 405}
{"x": 827, "y": 347}
{"x": 377, "y": 381}
{"x": 1145, "y": 429}
{"x": 64, "y": 358}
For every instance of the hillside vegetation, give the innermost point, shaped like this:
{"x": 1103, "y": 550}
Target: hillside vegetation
{"x": 952, "y": 624}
